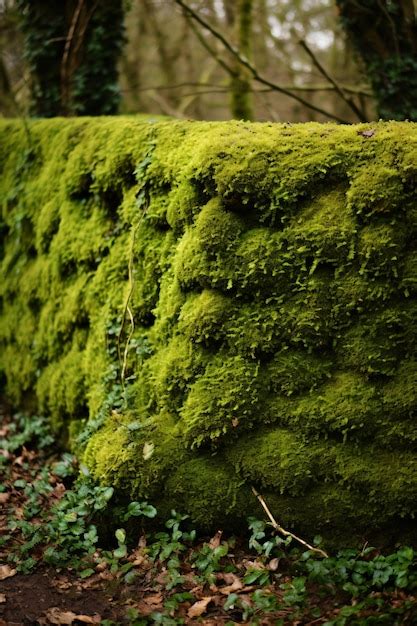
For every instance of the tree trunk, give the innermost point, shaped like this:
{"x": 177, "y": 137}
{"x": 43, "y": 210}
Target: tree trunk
{"x": 240, "y": 18}
{"x": 384, "y": 34}
{"x": 72, "y": 49}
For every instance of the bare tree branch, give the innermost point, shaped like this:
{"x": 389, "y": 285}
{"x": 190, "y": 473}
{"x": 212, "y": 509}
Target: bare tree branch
{"x": 251, "y": 68}
{"x": 348, "y": 89}
{"x": 339, "y": 90}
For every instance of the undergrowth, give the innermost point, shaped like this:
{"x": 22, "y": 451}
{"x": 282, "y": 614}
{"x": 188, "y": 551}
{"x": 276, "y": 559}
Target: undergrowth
{"x": 56, "y": 514}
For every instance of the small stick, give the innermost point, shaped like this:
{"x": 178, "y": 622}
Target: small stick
{"x": 127, "y": 309}
{"x": 282, "y": 530}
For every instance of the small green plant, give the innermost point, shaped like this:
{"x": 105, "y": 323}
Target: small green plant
{"x": 209, "y": 560}
{"x": 263, "y": 542}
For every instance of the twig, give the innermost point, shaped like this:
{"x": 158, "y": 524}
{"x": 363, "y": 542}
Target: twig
{"x": 332, "y": 81}
{"x": 209, "y": 49}
{"x": 282, "y": 530}
{"x": 252, "y": 69}
{"x": 166, "y": 107}
{"x": 65, "y": 56}
{"x": 127, "y": 309}
{"x": 346, "y": 88}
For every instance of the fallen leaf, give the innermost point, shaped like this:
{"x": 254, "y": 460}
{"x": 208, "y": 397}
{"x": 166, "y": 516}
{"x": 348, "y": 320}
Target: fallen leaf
{"x": 253, "y": 564}
{"x": 4, "y": 497}
{"x": 273, "y": 564}
{"x": 234, "y": 585}
{"x": 228, "y": 577}
{"x": 55, "y": 615}
{"x": 149, "y": 604}
{"x": 198, "y": 608}
{"x": 2, "y": 598}
{"x": 6, "y": 571}
{"x": 215, "y": 541}
{"x": 62, "y": 583}
{"x": 100, "y": 567}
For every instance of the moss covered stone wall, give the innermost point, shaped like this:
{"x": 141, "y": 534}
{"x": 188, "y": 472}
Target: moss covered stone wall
{"x": 202, "y": 307}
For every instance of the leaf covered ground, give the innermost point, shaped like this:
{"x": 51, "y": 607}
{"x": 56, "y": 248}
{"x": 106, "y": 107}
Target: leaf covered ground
{"x": 70, "y": 553}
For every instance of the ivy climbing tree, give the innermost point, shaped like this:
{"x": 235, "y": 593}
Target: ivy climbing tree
{"x": 240, "y": 16}
{"x": 72, "y": 49}
{"x": 384, "y": 34}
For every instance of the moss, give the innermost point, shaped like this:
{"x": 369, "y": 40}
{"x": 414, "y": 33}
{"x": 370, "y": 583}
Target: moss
{"x": 380, "y": 249}
{"x": 375, "y": 190}
{"x": 207, "y": 414}
{"x": 377, "y": 343}
{"x": 294, "y": 371}
{"x": 208, "y": 488}
{"x": 270, "y": 274}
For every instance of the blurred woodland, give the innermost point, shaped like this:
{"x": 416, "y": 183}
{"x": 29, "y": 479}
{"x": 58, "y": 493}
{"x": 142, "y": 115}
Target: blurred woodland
{"x": 266, "y": 60}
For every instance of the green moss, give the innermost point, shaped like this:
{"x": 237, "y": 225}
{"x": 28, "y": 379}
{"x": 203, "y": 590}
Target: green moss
{"x": 207, "y": 414}
{"x": 294, "y": 371}
{"x": 202, "y": 307}
{"x": 377, "y": 343}
{"x": 376, "y": 189}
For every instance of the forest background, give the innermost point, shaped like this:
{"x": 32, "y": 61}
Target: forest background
{"x": 265, "y": 60}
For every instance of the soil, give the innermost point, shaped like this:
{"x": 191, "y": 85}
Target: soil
{"x": 29, "y": 597}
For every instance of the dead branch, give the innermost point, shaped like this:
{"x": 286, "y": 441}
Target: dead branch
{"x": 339, "y": 90}
{"x": 251, "y": 68}
{"x": 282, "y": 530}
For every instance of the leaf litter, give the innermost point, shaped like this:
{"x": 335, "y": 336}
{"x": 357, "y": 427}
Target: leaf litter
{"x": 166, "y": 578}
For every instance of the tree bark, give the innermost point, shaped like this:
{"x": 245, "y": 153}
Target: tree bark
{"x": 72, "y": 49}
{"x": 384, "y": 34}
{"x": 240, "y": 19}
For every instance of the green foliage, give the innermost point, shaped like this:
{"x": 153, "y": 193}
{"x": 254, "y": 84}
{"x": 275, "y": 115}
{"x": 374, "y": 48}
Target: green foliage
{"x": 270, "y": 274}
{"x": 386, "y": 45}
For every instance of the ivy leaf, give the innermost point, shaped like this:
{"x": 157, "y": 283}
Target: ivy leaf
{"x": 121, "y": 535}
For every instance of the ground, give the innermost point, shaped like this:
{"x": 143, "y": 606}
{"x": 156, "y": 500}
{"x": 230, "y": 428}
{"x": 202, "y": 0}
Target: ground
{"x": 57, "y": 569}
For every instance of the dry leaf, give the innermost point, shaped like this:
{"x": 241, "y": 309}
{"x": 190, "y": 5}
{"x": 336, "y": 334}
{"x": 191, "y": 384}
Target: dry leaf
{"x": 253, "y": 564}
{"x": 100, "y": 567}
{"x": 234, "y": 584}
{"x": 56, "y": 616}
{"x": 273, "y": 564}
{"x": 150, "y": 604}
{"x": 6, "y": 571}
{"x": 4, "y": 497}
{"x": 2, "y": 598}
{"x": 61, "y": 583}
{"x": 215, "y": 541}
{"x": 198, "y": 608}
